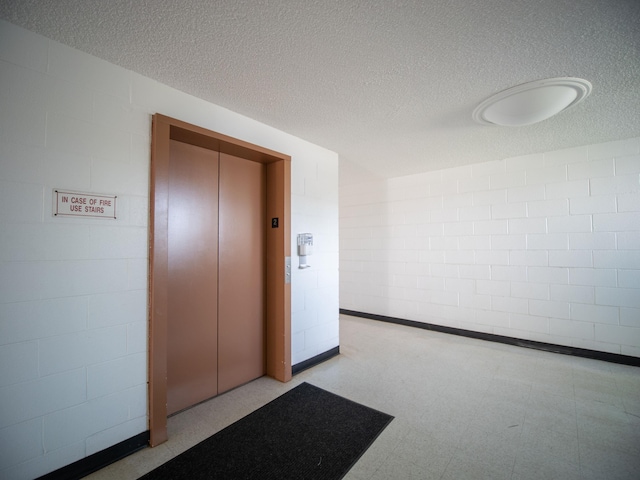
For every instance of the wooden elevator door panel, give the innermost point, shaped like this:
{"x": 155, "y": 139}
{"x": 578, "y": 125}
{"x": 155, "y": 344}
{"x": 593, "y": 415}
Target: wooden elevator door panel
{"x": 242, "y": 268}
{"x": 193, "y": 276}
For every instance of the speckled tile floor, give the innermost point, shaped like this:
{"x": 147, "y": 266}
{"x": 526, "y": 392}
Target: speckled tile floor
{"x": 464, "y": 409}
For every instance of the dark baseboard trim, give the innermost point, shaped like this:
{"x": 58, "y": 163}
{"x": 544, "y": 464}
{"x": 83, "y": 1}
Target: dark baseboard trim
{"x": 313, "y": 361}
{"x": 99, "y": 460}
{"x": 548, "y": 347}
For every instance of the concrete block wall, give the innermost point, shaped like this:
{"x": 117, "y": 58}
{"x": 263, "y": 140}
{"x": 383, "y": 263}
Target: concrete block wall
{"x": 543, "y": 247}
{"x": 73, "y": 291}
{"x": 314, "y": 290}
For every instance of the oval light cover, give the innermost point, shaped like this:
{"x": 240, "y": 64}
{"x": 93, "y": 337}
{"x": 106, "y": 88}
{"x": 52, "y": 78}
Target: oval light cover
{"x": 532, "y": 102}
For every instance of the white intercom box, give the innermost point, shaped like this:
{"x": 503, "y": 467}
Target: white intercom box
{"x": 305, "y": 248}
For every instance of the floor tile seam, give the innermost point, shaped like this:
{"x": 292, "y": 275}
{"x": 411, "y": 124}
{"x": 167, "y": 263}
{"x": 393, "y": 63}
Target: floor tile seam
{"x": 490, "y": 465}
{"x": 486, "y": 397}
{"x": 386, "y": 458}
{"x": 578, "y": 433}
{"x": 551, "y": 430}
{"x": 519, "y": 444}
{"x": 621, "y": 450}
{"x": 531, "y": 406}
{"x": 621, "y": 393}
{"x": 515, "y": 461}
{"x": 589, "y": 416}
{"x": 444, "y": 470}
{"x": 631, "y": 414}
{"x": 524, "y": 446}
{"x": 522, "y": 443}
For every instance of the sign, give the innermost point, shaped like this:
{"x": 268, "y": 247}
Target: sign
{"x": 76, "y": 204}
{"x": 274, "y": 222}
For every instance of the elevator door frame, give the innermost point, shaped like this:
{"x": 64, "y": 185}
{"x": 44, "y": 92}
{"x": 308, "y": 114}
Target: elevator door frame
{"x": 278, "y": 248}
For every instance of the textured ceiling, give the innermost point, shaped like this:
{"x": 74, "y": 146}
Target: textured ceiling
{"x": 388, "y": 85}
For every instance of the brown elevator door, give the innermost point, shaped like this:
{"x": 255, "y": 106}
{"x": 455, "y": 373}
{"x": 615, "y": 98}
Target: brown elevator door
{"x": 192, "y": 358}
{"x": 242, "y": 268}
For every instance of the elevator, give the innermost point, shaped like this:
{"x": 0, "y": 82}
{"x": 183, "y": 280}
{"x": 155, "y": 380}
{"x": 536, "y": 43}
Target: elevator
{"x": 219, "y": 298}
{"x": 216, "y": 332}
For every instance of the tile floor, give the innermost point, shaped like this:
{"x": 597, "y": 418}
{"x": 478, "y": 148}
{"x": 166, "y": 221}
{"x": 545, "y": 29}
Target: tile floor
{"x": 464, "y": 408}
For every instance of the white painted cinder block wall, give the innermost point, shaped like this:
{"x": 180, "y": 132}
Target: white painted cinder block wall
{"x": 73, "y": 292}
{"x": 542, "y": 247}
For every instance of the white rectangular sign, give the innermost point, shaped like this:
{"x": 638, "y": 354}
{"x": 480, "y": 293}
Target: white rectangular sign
{"x": 76, "y": 204}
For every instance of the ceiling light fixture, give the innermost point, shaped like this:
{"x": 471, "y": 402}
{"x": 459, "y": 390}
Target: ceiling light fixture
{"x": 532, "y": 102}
